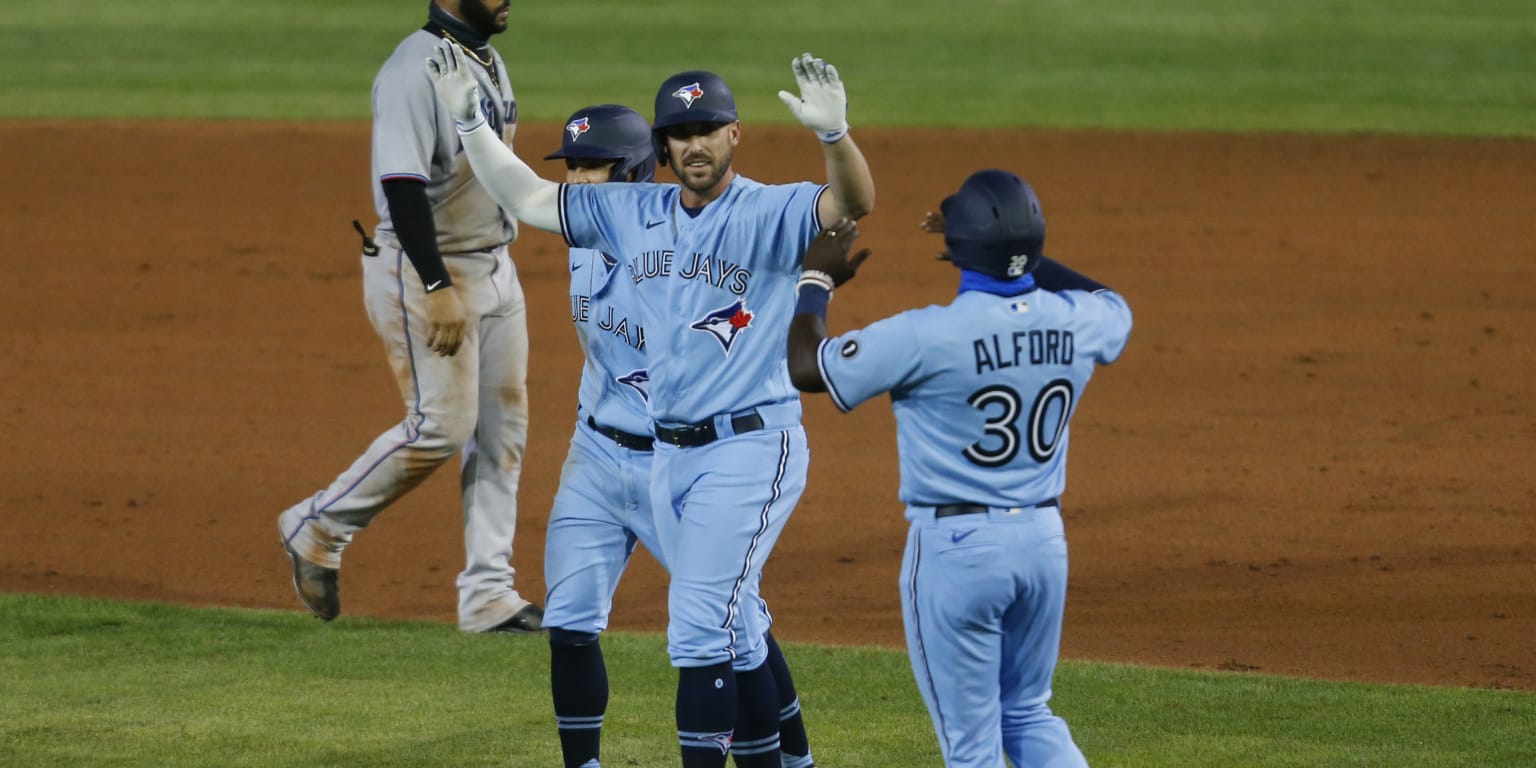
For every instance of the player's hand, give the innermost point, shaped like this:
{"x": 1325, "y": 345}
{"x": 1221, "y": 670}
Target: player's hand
{"x": 822, "y": 105}
{"x": 445, "y": 321}
{"x": 828, "y": 253}
{"x": 933, "y": 223}
{"x": 455, "y": 84}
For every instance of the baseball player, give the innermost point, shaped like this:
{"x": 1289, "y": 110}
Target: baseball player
{"x": 983, "y": 389}
{"x": 713, "y": 264}
{"x": 444, "y": 296}
{"x": 603, "y": 506}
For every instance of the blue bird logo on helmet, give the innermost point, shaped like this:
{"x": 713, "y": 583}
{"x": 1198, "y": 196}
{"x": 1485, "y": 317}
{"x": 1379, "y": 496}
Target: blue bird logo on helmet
{"x": 610, "y": 132}
{"x": 725, "y": 323}
{"x": 689, "y": 94}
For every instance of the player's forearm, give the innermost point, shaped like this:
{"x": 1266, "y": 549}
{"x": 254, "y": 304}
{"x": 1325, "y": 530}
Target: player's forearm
{"x": 410, "y": 212}
{"x": 805, "y": 335}
{"x": 510, "y": 182}
{"x": 848, "y": 178}
{"x": 806, "y": 332}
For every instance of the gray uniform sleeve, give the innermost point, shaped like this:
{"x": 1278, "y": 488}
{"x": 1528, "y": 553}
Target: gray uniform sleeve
{"x": 405, "y": 123}
{"x": 414, "y": 138}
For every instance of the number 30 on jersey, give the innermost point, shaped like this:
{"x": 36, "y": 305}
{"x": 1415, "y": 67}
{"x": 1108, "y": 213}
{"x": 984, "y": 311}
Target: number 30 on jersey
{"x": 1002, "y": 405}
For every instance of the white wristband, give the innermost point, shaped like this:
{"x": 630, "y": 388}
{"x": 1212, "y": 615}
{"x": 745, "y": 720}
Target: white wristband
{"x": 817, "y": 278}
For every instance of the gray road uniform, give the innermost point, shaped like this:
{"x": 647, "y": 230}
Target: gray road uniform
{"x": 475, "y": 400}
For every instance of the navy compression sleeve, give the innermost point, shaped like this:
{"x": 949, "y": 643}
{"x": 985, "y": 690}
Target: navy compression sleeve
{"x": 412, "y": 216}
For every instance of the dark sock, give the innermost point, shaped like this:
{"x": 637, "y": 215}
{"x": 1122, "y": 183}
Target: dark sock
{"x": 578, "y": 678}
{"x": 796, "y": 746}
{"x": 757, "y": 719}
{"x": 706, "y": 714}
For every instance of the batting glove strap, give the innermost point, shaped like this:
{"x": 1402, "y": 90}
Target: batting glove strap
{"x": 832, "y": 137}
{"x": 469, "y": 126}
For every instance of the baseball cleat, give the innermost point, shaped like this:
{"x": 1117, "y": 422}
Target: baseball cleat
{"x": 318, "y": 587}
{"x": 525, "y": 622}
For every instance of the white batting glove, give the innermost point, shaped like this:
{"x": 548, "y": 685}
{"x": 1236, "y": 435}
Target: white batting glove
{"x": 822, "y": 105}
{"x": 456, "y": 86}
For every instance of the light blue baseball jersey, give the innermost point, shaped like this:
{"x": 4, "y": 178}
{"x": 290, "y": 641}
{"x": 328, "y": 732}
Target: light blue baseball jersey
{"x": 614, "y": 381}
{"x": 728, "y": 274}
{"x": 982, "y": 388}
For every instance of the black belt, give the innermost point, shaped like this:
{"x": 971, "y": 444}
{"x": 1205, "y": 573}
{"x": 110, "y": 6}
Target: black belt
{"x": 704, "y": 433}
{"x": 628, "y": 440}
{"x": 950, "y": 510}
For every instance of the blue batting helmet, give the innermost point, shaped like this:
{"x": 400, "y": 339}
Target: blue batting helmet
{"x": 694, "y": 96}
{"x": 994, "y": 225}
{"x": 610, "y": 132}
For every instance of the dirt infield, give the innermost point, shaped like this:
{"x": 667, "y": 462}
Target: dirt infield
{"x": 1306, "y": 463}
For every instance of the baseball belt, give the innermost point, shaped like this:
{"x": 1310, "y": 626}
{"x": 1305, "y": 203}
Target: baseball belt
{"x": 628, "y": 440}
{"x": 951, "y": 510}
{"x": 704, "y": 432}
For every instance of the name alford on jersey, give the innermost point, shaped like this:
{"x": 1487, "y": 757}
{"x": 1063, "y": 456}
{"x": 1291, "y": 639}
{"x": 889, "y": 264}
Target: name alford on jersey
{"x": 1035, "y": 347}
{"x": 705, "y": 267}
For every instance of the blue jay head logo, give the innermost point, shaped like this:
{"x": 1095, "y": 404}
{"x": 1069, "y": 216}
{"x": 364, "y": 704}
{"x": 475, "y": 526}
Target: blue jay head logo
{"x": 577, "y": 127}
{"x": 689, "y": 94}
{"x": 725, "y": 323}
{"x": 721, "y": 740}
{"x": 639, "y": 380}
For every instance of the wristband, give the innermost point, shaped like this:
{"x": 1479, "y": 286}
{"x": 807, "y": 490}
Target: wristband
{"x": 817, "y": 278}
{"x": 813, "y": 299}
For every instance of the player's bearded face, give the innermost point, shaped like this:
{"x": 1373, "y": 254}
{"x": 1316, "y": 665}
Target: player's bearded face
{"x": 488, "y": 17}
{"x": 701, "y": 160}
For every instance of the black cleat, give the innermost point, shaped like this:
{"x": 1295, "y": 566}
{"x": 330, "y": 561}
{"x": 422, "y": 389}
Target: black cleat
{"x": 525, "y": 622}
{"x": 318, "y": 587}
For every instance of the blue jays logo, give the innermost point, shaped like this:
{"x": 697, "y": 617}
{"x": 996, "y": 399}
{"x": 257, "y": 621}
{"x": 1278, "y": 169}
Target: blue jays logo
{"x": 577, "y": 127}
{"x": 725, "y": 323}
{"x": 639, "y": 380}
{"x": 689, "y": 94}
{"x": 721, "y": 740}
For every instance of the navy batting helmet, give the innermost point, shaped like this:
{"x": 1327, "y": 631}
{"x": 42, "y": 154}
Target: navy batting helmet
{"x": 994, "y": 226}
{"x": 610, "y": 132}
{"x": 694, "y": 96}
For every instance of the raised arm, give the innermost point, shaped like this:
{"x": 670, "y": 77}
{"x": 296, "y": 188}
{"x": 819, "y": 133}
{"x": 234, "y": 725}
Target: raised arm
{"x": 822, "y": 106}
{"x": 509, "y": 181}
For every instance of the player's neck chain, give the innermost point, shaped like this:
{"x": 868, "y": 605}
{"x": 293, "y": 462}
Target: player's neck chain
{"x": 484, "y": 62}
{"x": 488, "y": 61}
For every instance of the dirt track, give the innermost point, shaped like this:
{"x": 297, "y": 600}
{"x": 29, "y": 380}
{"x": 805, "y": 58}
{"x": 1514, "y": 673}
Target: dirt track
{"x": 1306, "y": 463}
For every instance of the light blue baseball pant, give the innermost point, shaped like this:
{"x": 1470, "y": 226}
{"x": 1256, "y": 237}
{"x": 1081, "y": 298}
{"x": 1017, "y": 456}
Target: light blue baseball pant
{"x": 982, "y": 600}
{"x": 602, "y": 508}
{"x": 720, "y": 509}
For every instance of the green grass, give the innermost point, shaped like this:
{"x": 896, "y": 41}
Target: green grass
{"x": 102, "y": 683}
{"x": 1408, "y": 66}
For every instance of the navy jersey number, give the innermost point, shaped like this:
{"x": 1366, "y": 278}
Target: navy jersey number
{"x": 1002, "y": 406}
